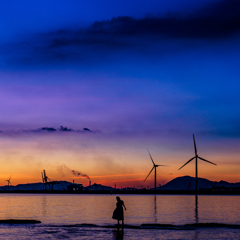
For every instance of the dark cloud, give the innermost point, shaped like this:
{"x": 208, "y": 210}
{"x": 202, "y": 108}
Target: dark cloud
{"x": 215, "y": 21}
{"x": 102, "y": 39}
{"x": 48, "y": 129}
{"x": 65, "y": 129}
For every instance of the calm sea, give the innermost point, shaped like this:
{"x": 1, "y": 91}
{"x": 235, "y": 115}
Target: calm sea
{"x": 90, "y": 216}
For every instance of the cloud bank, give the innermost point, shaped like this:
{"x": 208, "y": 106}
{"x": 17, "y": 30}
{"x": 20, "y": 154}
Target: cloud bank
{"x": 48, "y": 130}
{"x": 99, "y": 41}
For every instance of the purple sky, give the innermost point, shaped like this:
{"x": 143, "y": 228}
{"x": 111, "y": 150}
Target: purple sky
{"x": 138, "y": 74}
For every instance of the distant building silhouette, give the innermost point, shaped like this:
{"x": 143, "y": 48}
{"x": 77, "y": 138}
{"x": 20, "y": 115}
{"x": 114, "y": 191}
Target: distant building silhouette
{"x": 75, "y": 187}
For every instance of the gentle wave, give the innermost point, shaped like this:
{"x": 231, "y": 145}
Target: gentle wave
{"x": 153, "y": 226}
{"x": 142, "y": 226}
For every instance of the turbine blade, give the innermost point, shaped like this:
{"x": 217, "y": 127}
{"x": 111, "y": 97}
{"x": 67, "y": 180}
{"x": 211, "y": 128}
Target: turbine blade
{"x": 161, "y": 165}
{"x": 195, "y": 145}
{"x": 186, "y": 163}
{"x": 151, "y": 157}
{"x": 148, "y": 175}
{"x": 207, "y": 161}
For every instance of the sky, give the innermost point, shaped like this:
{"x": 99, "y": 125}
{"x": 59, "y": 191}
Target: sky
{"x": 89, "y": 86}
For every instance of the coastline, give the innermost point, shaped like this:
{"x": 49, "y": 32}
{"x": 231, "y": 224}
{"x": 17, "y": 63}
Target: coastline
{"x": 134, "y": 192}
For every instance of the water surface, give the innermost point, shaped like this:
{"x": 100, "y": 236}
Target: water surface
{"x": 58, "y": 212}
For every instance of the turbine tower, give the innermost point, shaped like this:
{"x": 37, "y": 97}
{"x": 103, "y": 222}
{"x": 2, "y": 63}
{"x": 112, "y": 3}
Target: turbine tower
{"x": 196, "y": 163}
{"x": 154, "y": 167}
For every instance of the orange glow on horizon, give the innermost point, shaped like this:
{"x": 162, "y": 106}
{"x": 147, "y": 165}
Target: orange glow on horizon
{"x": 25, "y": 160}
{"x": 118, "y": 175}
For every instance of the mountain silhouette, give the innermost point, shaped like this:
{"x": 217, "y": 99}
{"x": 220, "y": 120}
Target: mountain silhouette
{"x": 188, "y": 183}
{"x": 179, "y": 183}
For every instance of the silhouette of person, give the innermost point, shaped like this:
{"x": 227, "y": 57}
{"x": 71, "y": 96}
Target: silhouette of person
{"x": 118, "y": 212}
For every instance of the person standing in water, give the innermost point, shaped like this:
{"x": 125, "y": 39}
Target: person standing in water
{"x": 118, "y": 212}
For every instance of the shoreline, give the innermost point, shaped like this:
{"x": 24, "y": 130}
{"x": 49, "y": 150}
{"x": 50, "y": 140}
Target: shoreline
{"x": 146, "y": 226}
{"x": 135, "y": 192}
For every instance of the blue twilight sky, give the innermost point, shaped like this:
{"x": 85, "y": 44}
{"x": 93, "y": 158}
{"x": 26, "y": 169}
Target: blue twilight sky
{"x": 138, "y": 74}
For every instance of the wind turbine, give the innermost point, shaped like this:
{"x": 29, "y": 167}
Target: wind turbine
{"x": 154, "y": 167}
{"x": 9, "y": 183}
{"x": 196, "y": 157}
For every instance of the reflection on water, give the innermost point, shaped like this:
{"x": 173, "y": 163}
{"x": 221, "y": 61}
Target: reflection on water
{"x": 44, "y": 205}
{"x": 196, "y": 232}
{"x": 97, "y": 209}
{"x": 196, "y": 235}
{"x": 196, "y": 208}
{"x": 118, "y": 234}
{"x": 155, "y": 208}
{"x": 48, "y": 232}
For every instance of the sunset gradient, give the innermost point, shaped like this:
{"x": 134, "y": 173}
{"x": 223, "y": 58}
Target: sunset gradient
{"x": 119, "y": 77}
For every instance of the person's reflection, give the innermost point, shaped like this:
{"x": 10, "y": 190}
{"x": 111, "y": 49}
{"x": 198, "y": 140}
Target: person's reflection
{"x": 118, "y": 234}
{"x": 196, "y": 208}
{"x": 155, "y": 208}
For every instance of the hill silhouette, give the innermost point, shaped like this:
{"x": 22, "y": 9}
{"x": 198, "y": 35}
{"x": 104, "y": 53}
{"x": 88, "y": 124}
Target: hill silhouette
{"x": 179, "y": 183}
{"x": 188, "y": 183}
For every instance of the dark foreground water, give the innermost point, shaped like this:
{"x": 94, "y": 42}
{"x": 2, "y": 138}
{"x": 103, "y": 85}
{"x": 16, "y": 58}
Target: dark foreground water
{"x": 147, "y": 216}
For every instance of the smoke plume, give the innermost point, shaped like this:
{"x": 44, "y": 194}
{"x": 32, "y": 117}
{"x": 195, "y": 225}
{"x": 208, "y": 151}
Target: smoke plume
{"x": 63, "y": 169}
{"x": 76, "y": 173}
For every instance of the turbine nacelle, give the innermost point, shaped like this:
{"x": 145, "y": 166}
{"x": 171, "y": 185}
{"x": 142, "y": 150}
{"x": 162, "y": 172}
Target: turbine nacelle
{"x": 154, "y": 167}
{"x": 196, "y": 157}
